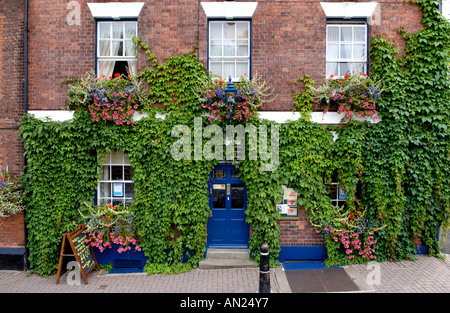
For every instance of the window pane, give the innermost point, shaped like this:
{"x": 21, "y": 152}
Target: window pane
{"x": 344, "y": 69}
{"x": 104, "y": 30}
{"x": 128, "y": 172}
{"x": 126, "y": 159}
{"x": 229, "y": 69}
{"x": 359, "y": 33}
{"x": 117, "y": 30}
{"x": 242, "y": 30}
{"x": 105, "y": 190}
{"x": 229, "y": 30}
{"x": 332, "y": 69}
{"x": 242, "y": 49}
{"x": 241, "y": 68}
{"x": 346, "y": 51}
{"x": 215, "y": 48}
{"x": 129, "y": 190}
{"x": 216, "y": 68}
{"x": 129, "y": 48}
{"x": 333, "y": 33}
{"x": 219, "y": 173}
{"x": 219, "y": 196}
{"x": 116, "y": 172}
{"x": 359, "y": 52}
{"x": 215, "y": 30}
{"x": 358, "y": 67}
{"x": 117, "y": 202}
{"x": 117, "y": 48}
{"x": 346, "y": 33}
{"x": 130, "y": 30}
{"x": 237, "y": 197}
{"x": 229, "y": 49}
{"x": 332, "y": 52}
{"x": 105, "y": 173}
{"x": 105, "y": 68}
{"x": 116, "y": 157}
{"x": 104, "y": 49}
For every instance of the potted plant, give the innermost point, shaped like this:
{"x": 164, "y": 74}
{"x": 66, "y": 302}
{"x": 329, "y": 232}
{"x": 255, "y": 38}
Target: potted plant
{"x": 352, "y": 95}
{"x": 111, "y": 233}
{"x": 250, "y": 96}
{"x": 106, "y": 98}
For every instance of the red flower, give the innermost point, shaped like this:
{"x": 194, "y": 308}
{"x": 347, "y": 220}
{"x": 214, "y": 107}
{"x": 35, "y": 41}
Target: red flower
{"x": 220, "y": 82}
{"x": 351, "y": 217}
{"x": 106, "y": 218}
{"x": 359, "y": 212}
{"x": 116, "y": 75}
{"x": 331, "y": 76}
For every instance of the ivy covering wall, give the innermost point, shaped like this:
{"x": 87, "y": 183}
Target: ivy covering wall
{"x": 397, "y": 172}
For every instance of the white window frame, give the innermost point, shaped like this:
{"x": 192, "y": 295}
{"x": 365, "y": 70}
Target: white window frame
{"x": 115, "y": 159}
{"x": 230, "y": 59}
{"x": 337, "y": 194}
{"x": 124, "y": 40}
{"x": 339, "y": 60}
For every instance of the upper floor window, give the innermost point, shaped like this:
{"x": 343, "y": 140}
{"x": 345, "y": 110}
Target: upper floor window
{"x": 346, "y": 49}
{"x": 115, "y": 50}
{"x": 229, "y": 48}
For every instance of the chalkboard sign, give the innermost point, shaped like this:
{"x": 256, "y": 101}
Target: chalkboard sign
{"x": 74, "y": 246}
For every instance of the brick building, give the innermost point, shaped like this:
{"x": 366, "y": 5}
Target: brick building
{"x": 280, "y": 40}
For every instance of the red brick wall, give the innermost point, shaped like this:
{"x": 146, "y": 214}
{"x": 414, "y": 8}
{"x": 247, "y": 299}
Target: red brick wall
{"x": 11, "y": 108}
{"x": 288, "y": 41}
{"x": 299, "y": 232}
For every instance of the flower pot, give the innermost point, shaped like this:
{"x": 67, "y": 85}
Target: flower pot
{"x": 129, "y": 261}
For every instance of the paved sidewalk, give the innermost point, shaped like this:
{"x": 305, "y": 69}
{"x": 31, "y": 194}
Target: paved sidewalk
{"x": 426, "y": 274}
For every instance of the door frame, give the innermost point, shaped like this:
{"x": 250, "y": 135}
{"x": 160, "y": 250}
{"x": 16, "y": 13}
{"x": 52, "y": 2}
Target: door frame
{"x": 231, "y": 181}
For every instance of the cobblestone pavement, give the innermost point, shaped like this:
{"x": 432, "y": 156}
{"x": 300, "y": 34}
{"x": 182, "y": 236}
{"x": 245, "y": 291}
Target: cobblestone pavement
{"x": 425, "y": 275}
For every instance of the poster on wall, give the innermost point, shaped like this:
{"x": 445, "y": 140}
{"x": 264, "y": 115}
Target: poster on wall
{"x": 288, "y": 205}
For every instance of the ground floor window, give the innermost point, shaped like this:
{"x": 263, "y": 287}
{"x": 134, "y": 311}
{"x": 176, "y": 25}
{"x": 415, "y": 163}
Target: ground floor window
{"x": 116, "y": 185}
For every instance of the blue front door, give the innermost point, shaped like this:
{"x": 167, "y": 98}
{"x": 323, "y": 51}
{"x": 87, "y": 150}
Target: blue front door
{"x": 227, "y": 201}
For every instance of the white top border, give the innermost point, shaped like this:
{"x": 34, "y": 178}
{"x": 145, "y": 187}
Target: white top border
{"x": 276, "y": 116}
{"x": 349, "y": 10}
{"x": 116, "y": 10}
{"x": 229, "y": 10}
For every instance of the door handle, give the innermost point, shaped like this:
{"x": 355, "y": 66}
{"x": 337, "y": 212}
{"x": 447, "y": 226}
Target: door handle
{"x": 210, "y": 213}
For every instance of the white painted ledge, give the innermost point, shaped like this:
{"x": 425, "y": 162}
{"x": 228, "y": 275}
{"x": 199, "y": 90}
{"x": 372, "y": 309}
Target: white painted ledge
{"x": 116, "y": 10}
{"x": 349, "y": 10}
{"x": 229, "y": 10}
{"x": 276, "y": 116}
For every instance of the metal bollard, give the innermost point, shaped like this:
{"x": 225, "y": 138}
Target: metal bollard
{"x": 264, "y": 269}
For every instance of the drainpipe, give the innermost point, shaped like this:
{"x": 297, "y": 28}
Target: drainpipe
{"x": 25, "y": 63}
{"x": 25, "y": 108}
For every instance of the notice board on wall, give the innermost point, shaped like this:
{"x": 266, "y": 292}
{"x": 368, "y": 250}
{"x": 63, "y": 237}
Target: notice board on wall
{"x": 74, "y": 246}
{"x": 288, "y": 206}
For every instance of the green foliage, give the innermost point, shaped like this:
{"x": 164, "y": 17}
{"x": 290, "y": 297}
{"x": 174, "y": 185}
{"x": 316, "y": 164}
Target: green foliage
{"x": 10, "y": 196}
{"x": 175, "y": 84}
{"x": 407, "y": 160}
{"x": 304, "y": 100}
{"x": 397, "y": 169}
